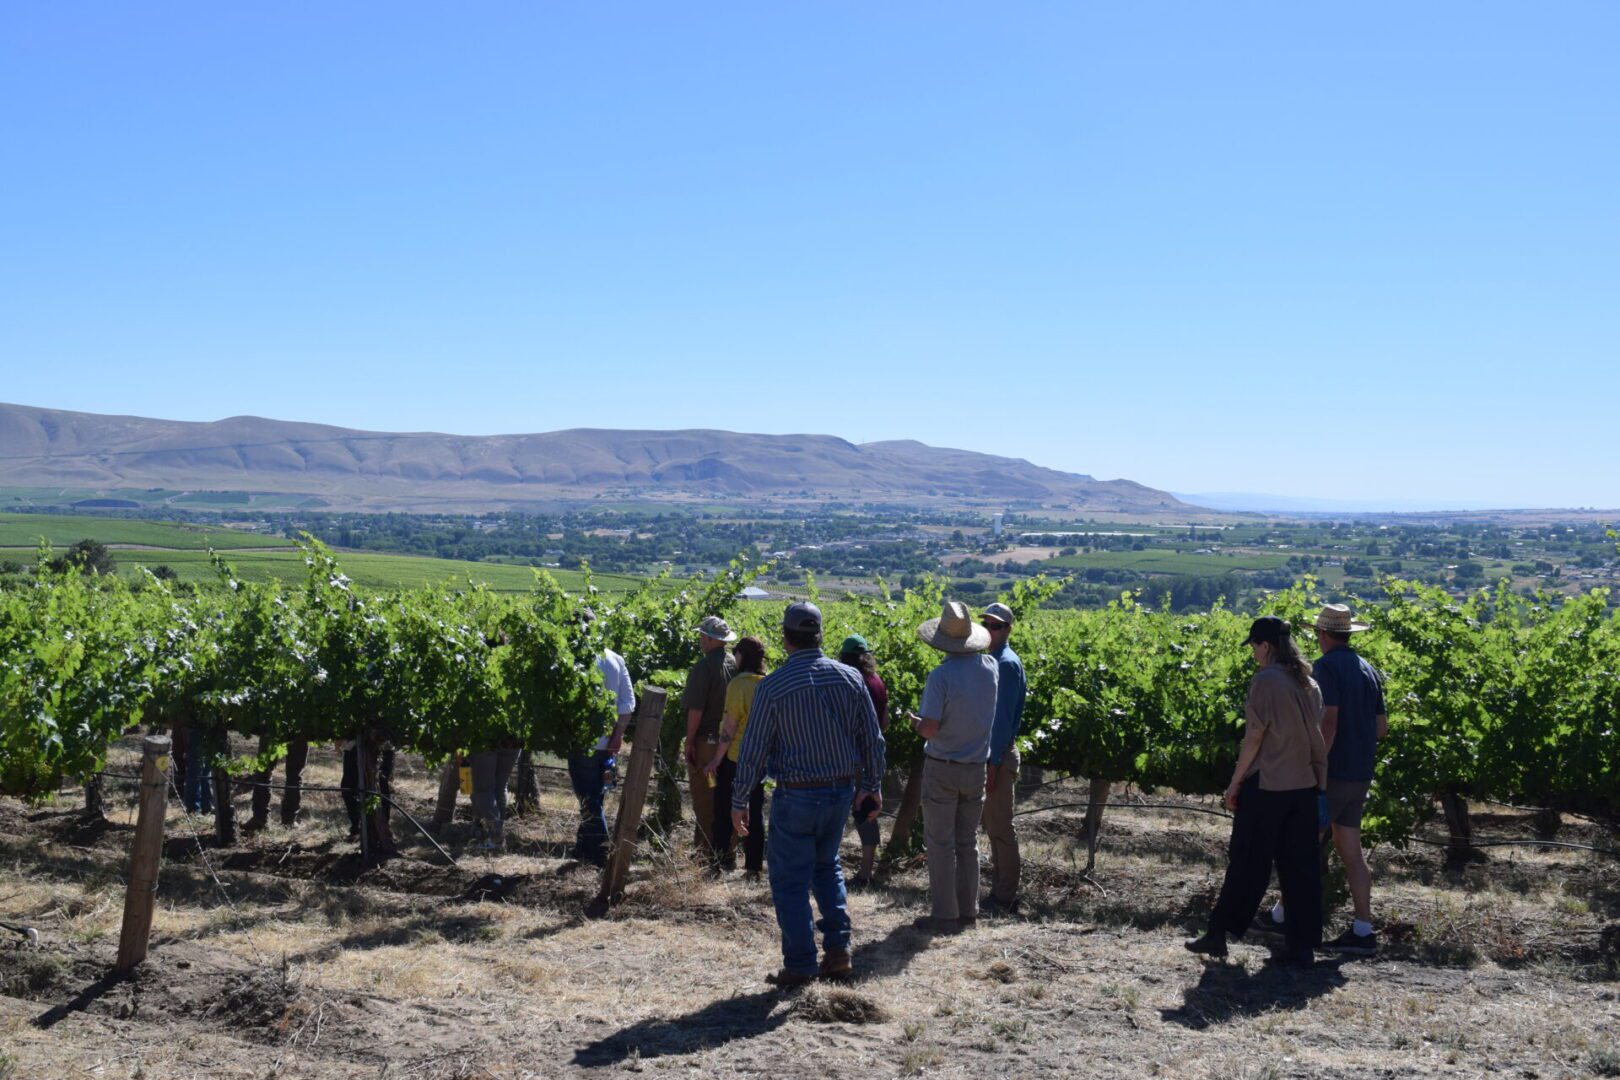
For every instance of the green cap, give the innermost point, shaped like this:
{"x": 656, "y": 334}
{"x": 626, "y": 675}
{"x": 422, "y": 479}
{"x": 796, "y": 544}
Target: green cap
{"x": 854, "y": 644}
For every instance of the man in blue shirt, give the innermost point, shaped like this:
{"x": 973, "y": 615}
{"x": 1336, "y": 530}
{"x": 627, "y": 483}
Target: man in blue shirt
{"x": 1002, "y": 776}
{"x": 1354, "y": 719}
{"x": 812, "y": 729}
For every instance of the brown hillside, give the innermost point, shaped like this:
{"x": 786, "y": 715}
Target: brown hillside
{"x": 250, "y": 453}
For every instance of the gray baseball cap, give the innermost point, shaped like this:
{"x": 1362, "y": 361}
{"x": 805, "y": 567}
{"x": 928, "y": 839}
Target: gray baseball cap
{"x": 802, "y": 616}
{"x": 1000, "y": 612}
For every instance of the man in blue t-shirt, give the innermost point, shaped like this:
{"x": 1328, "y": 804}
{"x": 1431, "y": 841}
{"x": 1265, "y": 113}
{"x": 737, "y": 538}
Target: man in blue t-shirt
{"x": 1001, "y": 778}
{"x": 1353, "y": 720}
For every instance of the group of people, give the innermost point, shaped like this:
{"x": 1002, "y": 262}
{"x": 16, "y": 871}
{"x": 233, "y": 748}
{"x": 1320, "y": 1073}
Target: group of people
{"x": 716, "y": 725}
{"x": 1310, "y": 741}
{"x": 815, "y": 727}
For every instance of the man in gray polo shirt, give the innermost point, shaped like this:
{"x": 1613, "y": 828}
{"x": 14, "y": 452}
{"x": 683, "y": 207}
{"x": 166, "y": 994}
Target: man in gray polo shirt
{"x": 958, "y": 711}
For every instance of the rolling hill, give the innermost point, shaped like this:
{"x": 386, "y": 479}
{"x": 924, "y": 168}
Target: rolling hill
{"x": 369, "y": 469}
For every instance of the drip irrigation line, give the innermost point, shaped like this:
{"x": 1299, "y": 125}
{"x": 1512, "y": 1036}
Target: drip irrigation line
{"x": 1543, "y": 810}
{"x": 1127, "y": 806}
{"x": 419, "y": 828}
{"x": 1513, "y": 843}
{"x": 28, "y": 933}
{"x": 1032, "y": 788}
{"x": 1565, "y": 845}
{"x": 1412, "y": 839}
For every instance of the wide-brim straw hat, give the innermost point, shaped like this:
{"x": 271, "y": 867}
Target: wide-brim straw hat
{"x": 1338, "y": 619}
{"x": 954, "y": 631}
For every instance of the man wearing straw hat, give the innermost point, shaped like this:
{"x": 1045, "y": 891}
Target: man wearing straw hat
{"x": 958, "y": 712}
{"x": 1353, "y": 720}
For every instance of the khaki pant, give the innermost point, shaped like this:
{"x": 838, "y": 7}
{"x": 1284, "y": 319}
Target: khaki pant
{"x": 444, "y": 810}
{"x": 702, "y": 801}
{"x": 491, "y": 769}
{"x": 998, "y": 826}
{"x": 952, "y": 798}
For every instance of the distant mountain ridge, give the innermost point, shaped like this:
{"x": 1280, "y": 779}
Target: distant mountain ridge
{"x": 1256, "y": 502}
{"x": 49, "y": 447}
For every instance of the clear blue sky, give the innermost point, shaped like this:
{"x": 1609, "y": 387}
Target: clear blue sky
{"x": 1362, "y": 250}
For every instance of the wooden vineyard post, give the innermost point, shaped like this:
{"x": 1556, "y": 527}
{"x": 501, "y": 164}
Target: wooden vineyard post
{"x": 649, "y": 717}
{"x": 905, "y": 817}
{"x": 141, "y": 892}
{"x": 360, "y": 793}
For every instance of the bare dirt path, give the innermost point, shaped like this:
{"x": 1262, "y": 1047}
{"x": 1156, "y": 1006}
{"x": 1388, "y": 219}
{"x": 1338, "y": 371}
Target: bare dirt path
{"x": 284, "y": 957}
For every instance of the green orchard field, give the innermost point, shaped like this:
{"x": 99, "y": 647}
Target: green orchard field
{"x": 259, "y": 558}
{"x": 26, "y": 530}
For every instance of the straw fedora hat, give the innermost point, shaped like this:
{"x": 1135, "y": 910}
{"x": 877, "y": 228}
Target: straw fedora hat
{"x": 954, "y": 631}
{"x": 1338, "y": 619}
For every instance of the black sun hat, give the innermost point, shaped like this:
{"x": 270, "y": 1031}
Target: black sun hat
{"x": 1268, "y": 629}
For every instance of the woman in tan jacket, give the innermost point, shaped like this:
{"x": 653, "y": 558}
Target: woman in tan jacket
{"x": 1273, "y": 795}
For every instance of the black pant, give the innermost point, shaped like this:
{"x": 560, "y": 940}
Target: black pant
{"x": 352, "y": 799}
{"x": 754, "y": 843}
{"x": 293, "y": 791}
{"x": 1272, "y": 828}
{"x": 586, "y": 773}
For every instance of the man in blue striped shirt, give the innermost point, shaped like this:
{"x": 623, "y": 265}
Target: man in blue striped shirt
{"x": 813, "y": 730}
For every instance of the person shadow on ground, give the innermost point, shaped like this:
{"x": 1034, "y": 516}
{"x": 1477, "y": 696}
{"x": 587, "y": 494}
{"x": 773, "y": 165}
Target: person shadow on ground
{"x": 893, "y": 953}
{"x": 717, "y": 1023}
{"x": 1227, "y": 990}
{"x": 747, "y": 1015}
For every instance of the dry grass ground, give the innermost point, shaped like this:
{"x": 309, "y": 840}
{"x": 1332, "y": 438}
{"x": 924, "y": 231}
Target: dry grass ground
{"x": 298, "y": 962}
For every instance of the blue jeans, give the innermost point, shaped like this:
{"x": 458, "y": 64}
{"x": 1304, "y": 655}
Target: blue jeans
{"x": 585, "y": 773}
{"x": 197, "y": 787}
{"x": 807, "y": 825}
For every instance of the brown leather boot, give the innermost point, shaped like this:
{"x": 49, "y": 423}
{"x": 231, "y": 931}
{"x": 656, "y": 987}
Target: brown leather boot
{"x": 837, "y": 964}
{"x": 789, "y": 980}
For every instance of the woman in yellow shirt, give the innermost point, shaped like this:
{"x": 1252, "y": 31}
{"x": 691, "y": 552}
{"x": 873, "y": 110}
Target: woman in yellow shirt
{"x": 750, "y": 654}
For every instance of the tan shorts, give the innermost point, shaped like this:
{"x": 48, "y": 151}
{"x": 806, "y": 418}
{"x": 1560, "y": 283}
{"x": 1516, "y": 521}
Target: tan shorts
{"x": 1346, "y": 800}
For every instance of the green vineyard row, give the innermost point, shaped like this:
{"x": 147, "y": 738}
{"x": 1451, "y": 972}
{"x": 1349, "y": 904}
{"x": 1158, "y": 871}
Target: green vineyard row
{"x": 1496, "y": 696}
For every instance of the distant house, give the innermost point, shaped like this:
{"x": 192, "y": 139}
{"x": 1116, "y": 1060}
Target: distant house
{"x": 753, "y": 592}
